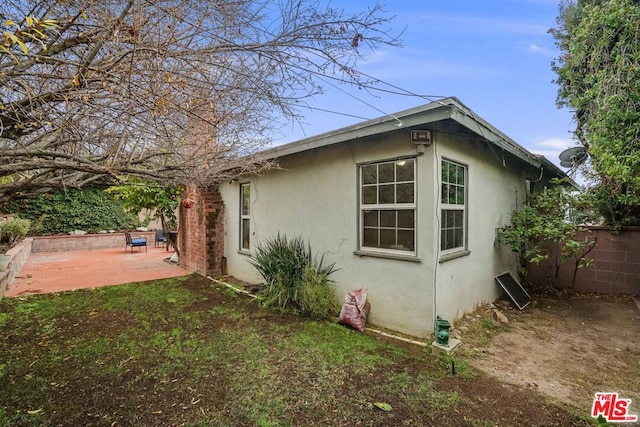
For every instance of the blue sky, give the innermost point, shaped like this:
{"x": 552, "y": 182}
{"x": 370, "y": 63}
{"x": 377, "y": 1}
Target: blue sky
{"x": 495, "y": 56}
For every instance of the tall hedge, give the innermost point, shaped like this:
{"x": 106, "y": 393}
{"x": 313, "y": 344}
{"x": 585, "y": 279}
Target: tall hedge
{"x": 89, "y": 209}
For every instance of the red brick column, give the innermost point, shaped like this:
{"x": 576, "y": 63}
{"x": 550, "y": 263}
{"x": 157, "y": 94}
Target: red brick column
{"x": 201, "y": 240}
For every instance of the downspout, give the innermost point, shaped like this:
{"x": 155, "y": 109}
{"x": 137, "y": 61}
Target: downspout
{"x": 436, "y": 218}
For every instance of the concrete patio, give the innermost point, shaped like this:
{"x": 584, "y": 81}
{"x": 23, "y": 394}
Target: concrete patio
{"x": 67, "y": 270}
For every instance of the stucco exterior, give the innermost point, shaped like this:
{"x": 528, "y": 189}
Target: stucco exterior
{"x": 316, "y": 194}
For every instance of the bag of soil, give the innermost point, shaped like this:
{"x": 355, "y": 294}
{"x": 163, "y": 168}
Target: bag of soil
{"x": 355, "y": 309}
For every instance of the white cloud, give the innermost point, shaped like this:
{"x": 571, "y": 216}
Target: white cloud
{"x": 376, "y": 57}
{"x": 551, "y": 147}
{"x": 555, "y": 143}
{"x": 542, "y": 50}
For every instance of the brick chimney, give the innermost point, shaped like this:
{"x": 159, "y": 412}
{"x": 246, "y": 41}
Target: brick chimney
{"x": 201, "y": 239}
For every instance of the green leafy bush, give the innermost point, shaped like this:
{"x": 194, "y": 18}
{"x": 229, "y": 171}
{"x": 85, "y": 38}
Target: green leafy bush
{"x": 162, "y": 201}
{"x": 295, "y": 278}
{"x": 544, "y": 232}
{"x": 13, "y": 230}
{"x": 616, "y": 210}
{"x": 89, "y": 209}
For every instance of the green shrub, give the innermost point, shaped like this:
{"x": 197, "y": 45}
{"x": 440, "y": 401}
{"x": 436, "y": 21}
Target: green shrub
{"x": 161, "y": 201}
{"x": 14, "y": 230}
{"x": 89, "y": 209}
{"x": 316, "y": 297}
{"x": 295, "y": 278}
{"x": 545, "y": 232}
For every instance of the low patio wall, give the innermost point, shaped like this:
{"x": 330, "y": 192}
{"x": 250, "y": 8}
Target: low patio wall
{"x": 616, "y": 267}
{"x": 12, "y": 262}
{"x": 86, "y": 241}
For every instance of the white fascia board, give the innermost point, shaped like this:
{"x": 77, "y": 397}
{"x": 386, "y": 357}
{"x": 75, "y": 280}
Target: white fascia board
{"x": 559, "y": 173}
{"x": 482, "y": 128}
{"x": 448, "y": 108}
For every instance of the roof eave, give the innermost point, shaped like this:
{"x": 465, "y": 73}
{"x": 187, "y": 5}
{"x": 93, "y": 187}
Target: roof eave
{"x": 484, "y": 129}
{"x": 435, "y": 111}
{"x": 447, "y": 108}
{"x": 559, "y": 173}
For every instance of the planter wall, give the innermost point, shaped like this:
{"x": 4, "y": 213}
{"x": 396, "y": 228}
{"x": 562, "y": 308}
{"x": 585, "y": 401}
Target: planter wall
{"x": 85, "y": 241}
{"x": 12, "y": 262}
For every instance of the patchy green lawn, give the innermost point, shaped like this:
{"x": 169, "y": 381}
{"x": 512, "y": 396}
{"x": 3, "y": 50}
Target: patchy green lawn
{"x": 188, "y": 352}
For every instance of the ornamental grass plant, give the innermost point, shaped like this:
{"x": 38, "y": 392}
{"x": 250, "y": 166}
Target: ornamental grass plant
{"x": 296, "y": 279}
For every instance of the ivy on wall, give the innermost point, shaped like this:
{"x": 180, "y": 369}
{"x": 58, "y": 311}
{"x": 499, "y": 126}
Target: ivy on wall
{"x": 89, "y": 209}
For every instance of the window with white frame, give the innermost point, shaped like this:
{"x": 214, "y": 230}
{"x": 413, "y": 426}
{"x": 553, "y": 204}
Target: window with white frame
{"x": 388, "y": 206}
{"x": 245, "y": 217}
{"x": 453, "y": 205}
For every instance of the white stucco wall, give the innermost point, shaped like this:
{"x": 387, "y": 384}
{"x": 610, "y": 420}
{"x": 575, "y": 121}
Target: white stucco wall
{"x": 315, "y": 195}
{"x": 495, "y": 187}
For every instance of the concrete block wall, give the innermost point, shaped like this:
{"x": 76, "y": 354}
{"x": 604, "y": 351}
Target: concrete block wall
{"x": 616, "y": 267}
{"x": 617, "y": 263}
{"x": 201, "y": 240}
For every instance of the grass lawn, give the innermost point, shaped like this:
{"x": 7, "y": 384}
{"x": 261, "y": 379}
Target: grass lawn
{"x": 188, "y": 352}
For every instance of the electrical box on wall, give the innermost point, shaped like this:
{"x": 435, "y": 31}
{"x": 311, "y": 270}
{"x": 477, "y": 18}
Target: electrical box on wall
{"x": 422, "y": 137}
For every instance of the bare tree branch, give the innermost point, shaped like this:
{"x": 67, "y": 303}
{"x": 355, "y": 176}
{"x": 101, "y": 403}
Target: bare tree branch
{"x": 174, "y": 90}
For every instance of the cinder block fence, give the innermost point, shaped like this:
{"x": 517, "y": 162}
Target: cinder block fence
{"x": 617, "y": 264}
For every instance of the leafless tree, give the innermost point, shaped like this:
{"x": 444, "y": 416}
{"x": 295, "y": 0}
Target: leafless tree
{"x": 172, "y": 90}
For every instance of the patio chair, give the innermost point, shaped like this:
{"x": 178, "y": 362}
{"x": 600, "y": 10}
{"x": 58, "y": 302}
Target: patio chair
{"x": 138, "y": 241}
{"x": 159, "y": 239}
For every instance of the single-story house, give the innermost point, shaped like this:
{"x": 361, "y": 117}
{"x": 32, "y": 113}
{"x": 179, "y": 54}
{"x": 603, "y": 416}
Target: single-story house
{"x": 407, "y": 204}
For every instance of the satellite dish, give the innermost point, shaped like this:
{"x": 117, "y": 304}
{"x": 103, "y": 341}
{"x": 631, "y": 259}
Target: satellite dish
{"x": 573, "y": 156}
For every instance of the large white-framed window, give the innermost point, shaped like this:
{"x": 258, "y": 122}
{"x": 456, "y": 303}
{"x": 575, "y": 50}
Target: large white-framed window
{"x": 245, "y": 217}
{"x": 388, "y": 206}
{"x": 453, "y": 206}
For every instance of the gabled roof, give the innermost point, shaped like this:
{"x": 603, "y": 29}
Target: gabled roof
{"x": 448, "y": 109}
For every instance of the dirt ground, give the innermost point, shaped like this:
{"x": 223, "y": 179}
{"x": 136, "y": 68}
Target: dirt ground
{"x": 567, "y": 347}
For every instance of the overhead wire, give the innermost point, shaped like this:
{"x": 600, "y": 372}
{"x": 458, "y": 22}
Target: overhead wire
{"x": 399, "y": 122}
{"x": 401, "y": 91}
{"x": 324, "y": 78}
{"x": 324, "y": 110}
{"x": 369, "y": 87}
